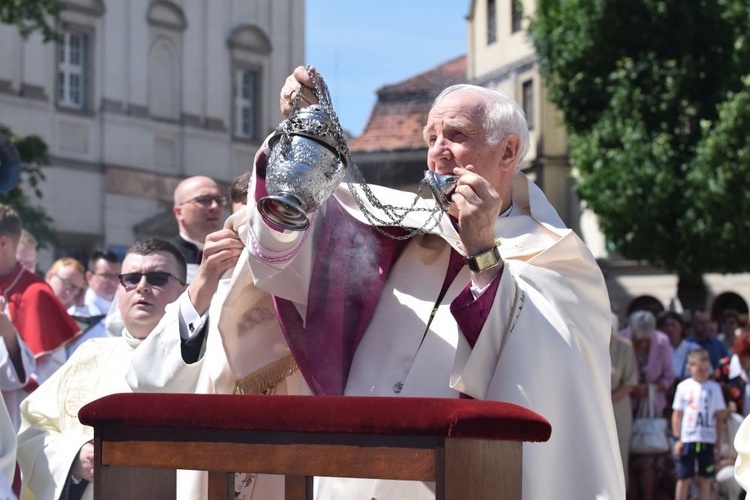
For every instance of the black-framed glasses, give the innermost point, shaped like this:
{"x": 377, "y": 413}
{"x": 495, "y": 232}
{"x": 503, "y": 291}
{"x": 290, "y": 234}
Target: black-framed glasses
{"x": 207, "y": 200}
{"x": 154, "y": 278}
{"x": 68, "y": 285}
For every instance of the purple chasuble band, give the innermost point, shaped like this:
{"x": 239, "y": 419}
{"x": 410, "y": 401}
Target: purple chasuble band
{"x": 351, "y": 267}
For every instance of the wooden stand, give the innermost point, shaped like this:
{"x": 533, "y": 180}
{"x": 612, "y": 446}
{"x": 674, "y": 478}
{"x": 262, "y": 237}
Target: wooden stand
{"x": 471, "y": 449}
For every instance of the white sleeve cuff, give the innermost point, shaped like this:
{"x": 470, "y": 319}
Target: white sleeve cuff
{"x": 190, "y": 321}
{"x": 475, "y": 290}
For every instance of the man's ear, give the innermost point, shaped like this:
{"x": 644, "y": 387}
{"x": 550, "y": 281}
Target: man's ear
{"x": 177, "y": 211}
{"x": 5, "y": 241}
{"x": 510, "y": 145}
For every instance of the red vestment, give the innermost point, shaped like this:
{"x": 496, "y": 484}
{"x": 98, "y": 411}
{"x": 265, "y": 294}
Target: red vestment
{"x": 39, "y": 317}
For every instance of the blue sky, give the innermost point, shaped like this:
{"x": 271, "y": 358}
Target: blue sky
{"x": 359, "y": 46}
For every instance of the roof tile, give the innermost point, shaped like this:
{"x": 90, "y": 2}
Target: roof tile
{"x": 397, "y": 119}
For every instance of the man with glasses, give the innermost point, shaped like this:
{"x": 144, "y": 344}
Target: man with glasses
{"x": 199, "y": 211}
{"x": 195, "y": 359}
{"x": 67, "y": 278}
{"x": 55, "y": 451}
{"x": 102, "y": 278}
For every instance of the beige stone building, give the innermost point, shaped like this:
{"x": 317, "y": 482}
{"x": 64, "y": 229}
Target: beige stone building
{"x": 140, "y": 94}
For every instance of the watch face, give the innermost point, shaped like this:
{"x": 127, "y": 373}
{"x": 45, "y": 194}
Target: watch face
{"x": 486, "y": 260}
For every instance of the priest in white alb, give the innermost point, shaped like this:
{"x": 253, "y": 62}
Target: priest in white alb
{"x": 55, "y": 450}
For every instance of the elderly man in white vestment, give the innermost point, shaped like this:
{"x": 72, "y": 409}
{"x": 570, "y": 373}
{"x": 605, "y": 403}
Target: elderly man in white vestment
{"x": 55, "y": 450}
{"x": 500, "y": 301}
{"x": 433, "y": 315}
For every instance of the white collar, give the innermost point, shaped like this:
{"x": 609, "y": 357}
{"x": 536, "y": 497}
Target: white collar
{"x": 189, "y": 240}
{"x": 132, "y": 341}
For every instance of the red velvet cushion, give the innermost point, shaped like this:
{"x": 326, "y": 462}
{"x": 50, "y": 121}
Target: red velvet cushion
{"x": 465, "y": 418}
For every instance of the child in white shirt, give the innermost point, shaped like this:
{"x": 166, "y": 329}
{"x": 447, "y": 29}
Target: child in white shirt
{"x": 697, "y": 426}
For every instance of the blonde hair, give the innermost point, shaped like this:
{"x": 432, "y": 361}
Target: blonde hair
{"x": 697, "y": 356}
{"x": 63, "y": 262}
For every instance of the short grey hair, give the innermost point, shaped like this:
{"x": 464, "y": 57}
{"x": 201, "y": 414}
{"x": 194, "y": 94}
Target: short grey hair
{"x": 502, "y": 117}
{"x": 642, "y": 324}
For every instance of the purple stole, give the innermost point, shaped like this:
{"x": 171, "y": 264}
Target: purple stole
{"x": 351, "y": 267}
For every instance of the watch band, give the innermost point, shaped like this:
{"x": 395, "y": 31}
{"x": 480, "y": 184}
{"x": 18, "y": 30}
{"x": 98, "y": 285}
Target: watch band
{"x": 484, "y": 260}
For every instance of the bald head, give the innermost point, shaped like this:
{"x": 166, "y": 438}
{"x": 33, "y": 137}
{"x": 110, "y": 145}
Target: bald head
{"x": 187, "y": 188}
{"x": 198, "y": 207}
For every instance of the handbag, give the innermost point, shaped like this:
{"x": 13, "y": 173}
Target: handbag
{"x": 649, "y": 434}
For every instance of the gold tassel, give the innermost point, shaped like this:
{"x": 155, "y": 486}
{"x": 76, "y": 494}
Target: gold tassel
{"x": 264, "y": 381}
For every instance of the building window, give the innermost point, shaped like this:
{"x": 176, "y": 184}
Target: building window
{"x": 516, "y": 14}
{"x": 527, "y": 93}
{"x": 71, "y": 70}
{"x": 491, "y": 22}
{"x": 246, "y": 103}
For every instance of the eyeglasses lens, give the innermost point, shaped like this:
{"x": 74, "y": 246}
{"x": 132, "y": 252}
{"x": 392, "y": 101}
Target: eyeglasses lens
{"x": 207, "y": 201}
{"x": 68, "y": 286}
{"x": 156, "y": 278}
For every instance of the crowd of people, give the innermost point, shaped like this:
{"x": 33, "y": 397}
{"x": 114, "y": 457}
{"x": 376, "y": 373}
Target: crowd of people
{"x": 498, "y": 301}
{"x": 655, "y": 358}
{"x": 45, "y": 320}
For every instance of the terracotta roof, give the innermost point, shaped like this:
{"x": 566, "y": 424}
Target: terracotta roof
{"x": 397, "y": 119}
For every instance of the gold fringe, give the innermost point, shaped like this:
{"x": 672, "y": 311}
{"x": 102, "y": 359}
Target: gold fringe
{"x": 263, "y": 381}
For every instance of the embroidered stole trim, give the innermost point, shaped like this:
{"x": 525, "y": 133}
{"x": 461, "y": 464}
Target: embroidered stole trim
{"x": 263, "y": 381}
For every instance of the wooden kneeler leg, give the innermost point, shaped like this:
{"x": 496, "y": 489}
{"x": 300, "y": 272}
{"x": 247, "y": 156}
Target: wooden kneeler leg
{"x": 298, "y": 487}
{"x": 480, "y": 469}
{"x": 220, "y": 485}
{"x": 130, "y": 483}
{"x": 135, "y": 483}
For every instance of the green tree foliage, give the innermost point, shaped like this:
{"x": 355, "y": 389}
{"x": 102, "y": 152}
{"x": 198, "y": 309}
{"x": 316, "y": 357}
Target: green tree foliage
{"x": 32, "y": 15}
{"x": 33, "y": 153}
{"x": 652, "y": 93}
{"x": 717, "y": 184}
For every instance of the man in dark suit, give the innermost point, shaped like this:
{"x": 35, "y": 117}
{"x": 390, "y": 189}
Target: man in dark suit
{"x": 199, "y": 210}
